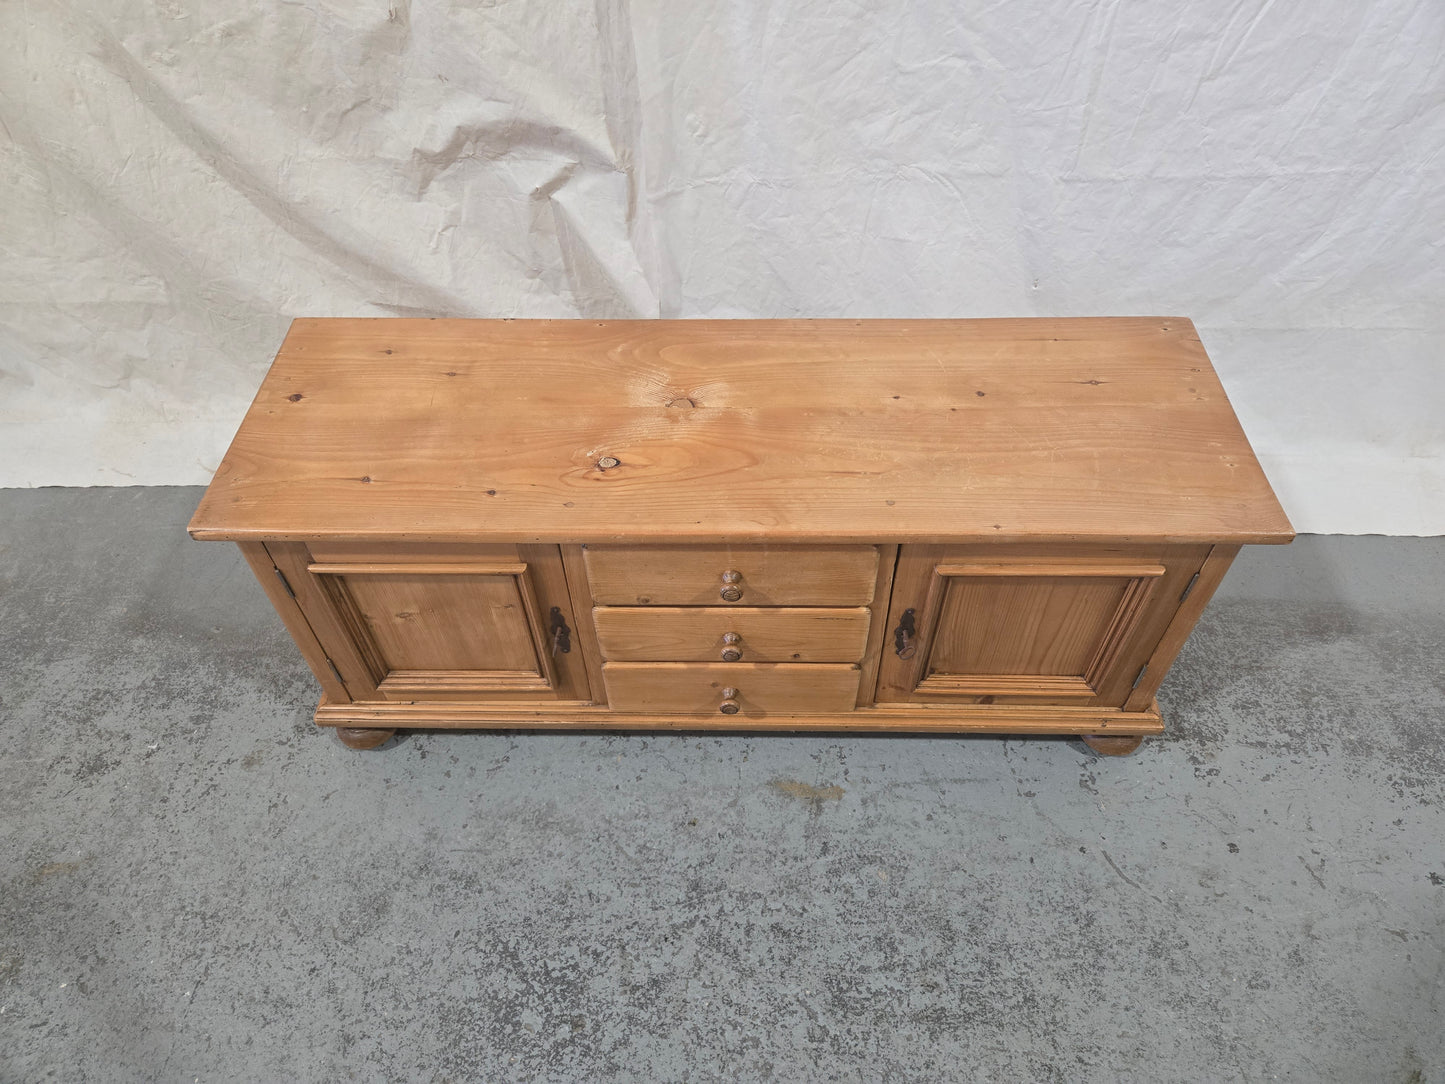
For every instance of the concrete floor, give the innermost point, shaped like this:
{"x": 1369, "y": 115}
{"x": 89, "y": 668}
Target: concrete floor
{"x": 199, "y": 885}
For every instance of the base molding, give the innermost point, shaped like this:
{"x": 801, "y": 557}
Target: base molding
{"x": 914, "y": 719}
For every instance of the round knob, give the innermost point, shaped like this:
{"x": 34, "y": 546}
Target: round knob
{"x": 731, "y": 652}
{"x": 729, "y": 706}
{"x": 731, "y": 592}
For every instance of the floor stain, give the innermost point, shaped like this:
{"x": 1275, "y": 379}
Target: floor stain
{"x": 50, "y": 869}
{"x": 806, "y": 792}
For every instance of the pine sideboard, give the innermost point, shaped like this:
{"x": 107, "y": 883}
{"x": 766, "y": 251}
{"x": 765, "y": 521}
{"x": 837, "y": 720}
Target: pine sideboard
{"x": 1000, "y": 526}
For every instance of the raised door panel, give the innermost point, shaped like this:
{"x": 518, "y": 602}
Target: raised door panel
{"x": 1029, "y": 625}
{"x": 424, "y": 626}
{"x": 440, "y": 623}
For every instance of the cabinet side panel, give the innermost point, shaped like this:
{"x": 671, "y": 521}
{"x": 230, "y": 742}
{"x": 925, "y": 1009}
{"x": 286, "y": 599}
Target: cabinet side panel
{"x": 878, "y": 628}
{"x": 1150, "y": 622}
{"x": 343, "y": 643}
{"x": 575, "y": 566}
{"x": 294, "y": 620}
{"x": 550, "y": 580}
{"x": 1211, "y": 574}
{"x": 897, "y": 676}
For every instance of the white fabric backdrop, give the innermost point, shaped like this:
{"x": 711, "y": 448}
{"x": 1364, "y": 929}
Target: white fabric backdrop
{"x": 180, "y": 178}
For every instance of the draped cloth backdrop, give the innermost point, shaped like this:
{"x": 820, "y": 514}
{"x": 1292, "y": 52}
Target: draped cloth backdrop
{"x": 182, "y": 177}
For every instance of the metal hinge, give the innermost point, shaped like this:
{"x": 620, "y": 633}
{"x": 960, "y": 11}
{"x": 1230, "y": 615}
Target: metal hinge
{"x": 1189, "y": 586}
{"x": 1139, "y": 676}
{"x": 336, "y": 672}
{"x": 285, "y": 582}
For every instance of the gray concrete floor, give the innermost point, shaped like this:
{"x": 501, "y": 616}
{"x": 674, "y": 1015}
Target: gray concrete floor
{"x": 199, "y": 885}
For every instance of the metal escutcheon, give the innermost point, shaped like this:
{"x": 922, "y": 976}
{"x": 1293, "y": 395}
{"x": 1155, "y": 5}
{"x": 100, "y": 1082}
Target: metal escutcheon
{"x": 905, "y": 636}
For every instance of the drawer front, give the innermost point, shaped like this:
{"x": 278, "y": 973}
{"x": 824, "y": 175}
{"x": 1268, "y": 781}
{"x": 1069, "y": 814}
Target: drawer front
{"x": 732, "y": 575}
{"x": 697, "y": 688}
{"x": 731, "y": 634}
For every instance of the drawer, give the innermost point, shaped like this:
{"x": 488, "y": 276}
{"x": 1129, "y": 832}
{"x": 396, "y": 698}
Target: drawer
{"x": 732, "y": 575}
{"x": 757, "y": 634}
{"x": 696, "y": 688}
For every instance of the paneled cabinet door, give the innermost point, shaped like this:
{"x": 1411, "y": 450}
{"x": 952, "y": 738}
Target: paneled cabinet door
{"x": 1016, "y": 624}
{"x": 440, "y": 622}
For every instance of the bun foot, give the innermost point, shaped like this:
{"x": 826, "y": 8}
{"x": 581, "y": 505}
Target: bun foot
{"x": 1113, "y": 745}
{"x": 363, "y": 737}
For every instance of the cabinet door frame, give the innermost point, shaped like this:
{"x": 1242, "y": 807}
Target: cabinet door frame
{"x": 1153, "y": 579}
{"x": 321, "y": 589}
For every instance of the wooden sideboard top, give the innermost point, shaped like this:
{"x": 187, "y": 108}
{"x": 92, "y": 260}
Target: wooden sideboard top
{"x": 1102, "y": 429}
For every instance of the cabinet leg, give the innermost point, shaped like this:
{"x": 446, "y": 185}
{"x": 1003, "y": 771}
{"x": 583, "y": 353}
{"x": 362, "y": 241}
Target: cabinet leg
{"x": 363, "y": 737}
{"x": 1113, "y": 745}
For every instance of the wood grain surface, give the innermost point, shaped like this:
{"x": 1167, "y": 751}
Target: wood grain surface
{"x": 952, "y": 719}
{"x": 1096, "y": 614}
{"x": 764, "y": 634}
{"x": 759, "y": 688}
{"x": 764, "y": 575}
{"x": 1105, "y": 429}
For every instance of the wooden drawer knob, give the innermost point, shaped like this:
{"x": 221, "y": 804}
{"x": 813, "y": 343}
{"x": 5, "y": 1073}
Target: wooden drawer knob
{"x": 731, "y": 652}
{"x": 731, "y": 589}
{"x": 729, "y": 706}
